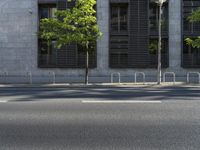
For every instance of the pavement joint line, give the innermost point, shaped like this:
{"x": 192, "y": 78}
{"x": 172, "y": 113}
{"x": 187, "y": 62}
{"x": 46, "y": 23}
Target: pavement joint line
{"x": 119, "y": 102}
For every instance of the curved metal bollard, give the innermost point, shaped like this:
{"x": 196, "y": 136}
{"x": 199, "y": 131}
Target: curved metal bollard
{"x": 30, "y": 77}
{"x": 119, "y": 77}
{"x": 54, "y": 77}
{"x": 169, "y": 73}
{"x": 188, "y": 76}
{"x": 143, "y": 76}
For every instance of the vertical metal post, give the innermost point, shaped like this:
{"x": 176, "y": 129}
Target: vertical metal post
{"x": 119, "y": 77}
{"x": 135, "y": 77}
{"x": 54, "y": 78}
{"x": 30, "y": 77}
{"x": 172, "y": 73}
{"x": 5, "y": 74}
{"x": 199, "y": 77}
{"x": 188, "y": 75}
{"x": 143, "y": 76}
{"x": 87, "y": 68}
{"x": 159, "y": 44}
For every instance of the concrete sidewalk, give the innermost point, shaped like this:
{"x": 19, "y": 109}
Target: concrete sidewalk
{"x": 104, "y": 85}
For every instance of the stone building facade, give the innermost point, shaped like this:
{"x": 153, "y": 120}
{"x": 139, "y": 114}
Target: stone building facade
{"x": 126, "y": 52}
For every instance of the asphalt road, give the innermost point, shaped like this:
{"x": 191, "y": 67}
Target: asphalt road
{"x": 97, "y": 119}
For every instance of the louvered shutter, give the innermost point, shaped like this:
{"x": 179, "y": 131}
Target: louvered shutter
{"x": 138, "y": 34}
{"x": 67, "y": 55}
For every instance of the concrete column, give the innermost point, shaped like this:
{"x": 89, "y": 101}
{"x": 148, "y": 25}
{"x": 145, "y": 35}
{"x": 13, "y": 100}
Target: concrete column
{"x": 34, "y": 30}
{"x": 175, "y": 34}
{"x": 103, "y": 42}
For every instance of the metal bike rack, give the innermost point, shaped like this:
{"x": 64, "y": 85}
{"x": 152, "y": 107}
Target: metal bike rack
{"x": 119, "y": 77}
{"x": 143, "y": 76}
{"x": 54, "y": 76}
{"x": 169, "y": 73}
{"x": 4, "y": 75}
{"x": 30, "y": 77}
{"x": 188, "y": 76}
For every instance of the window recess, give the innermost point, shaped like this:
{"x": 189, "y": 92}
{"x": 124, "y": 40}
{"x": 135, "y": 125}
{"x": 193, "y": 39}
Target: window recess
{"x": 190, "y": 55}
{"x": 119, "y": 38}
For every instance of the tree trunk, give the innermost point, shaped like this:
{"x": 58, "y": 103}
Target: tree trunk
{"x": 159, "y": 74}
{"x": 48, "y": 52}
{"x": 87, "y": 66}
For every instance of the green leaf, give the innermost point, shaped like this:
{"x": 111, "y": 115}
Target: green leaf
{"x": 77, "y": 25}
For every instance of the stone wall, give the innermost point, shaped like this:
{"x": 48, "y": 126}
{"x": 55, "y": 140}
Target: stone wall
{"x": 18, "y": 44}
{"x": 18, "y": 39}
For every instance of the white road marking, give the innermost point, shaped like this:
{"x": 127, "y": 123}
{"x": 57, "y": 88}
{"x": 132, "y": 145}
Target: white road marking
{"x": 120, "y": 102}
{"x": 1, "y": 101}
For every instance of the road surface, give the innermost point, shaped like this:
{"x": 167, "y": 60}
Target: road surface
{"x": 149, "y": 118}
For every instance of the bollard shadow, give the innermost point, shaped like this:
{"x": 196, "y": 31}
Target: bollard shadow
{"x": 100, "y": 93}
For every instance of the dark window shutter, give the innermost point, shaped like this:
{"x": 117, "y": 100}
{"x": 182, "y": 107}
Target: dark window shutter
{"x": 71, "y": 4}
{"x": 138, "y": 34}
{"x": 118, "y": 53}
{"x": 190, "y": 55}
{"x": 61, "y": 4}
{"x": 68, "y": 56}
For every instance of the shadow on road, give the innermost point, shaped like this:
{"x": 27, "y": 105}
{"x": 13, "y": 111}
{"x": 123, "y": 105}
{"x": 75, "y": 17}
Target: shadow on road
{"x": 122, "y": 93}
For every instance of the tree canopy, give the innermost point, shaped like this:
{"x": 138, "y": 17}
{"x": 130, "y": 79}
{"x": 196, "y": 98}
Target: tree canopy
{"x": 195, "y": 17}
{"x": 78, "y": 24}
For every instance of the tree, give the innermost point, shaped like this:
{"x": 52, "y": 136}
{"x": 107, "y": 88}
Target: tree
{"x": 76, "y": 25}
{"x": 195, "y": 17}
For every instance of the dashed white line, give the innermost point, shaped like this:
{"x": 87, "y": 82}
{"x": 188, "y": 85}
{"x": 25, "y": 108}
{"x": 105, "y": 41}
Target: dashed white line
{"x": 2, "y": 101}
{"x": 120, "y": 102}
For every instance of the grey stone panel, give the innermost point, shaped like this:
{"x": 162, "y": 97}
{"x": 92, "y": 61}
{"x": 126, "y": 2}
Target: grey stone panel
{"x": 103, "y": 42}
{"x": 18, "y": 28}
{"x": 175, "y": 34}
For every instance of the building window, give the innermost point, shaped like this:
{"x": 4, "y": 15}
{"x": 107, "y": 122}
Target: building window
{"x": 68, "y": 56}
{"x": 118, "y": 51}
{"x": 153, "y": 52}
{"x": 47, "y": 11}
{"x": 190, "y": 6}
{"x": 118, "y": 60}
{"x": 119, "y": 17}
{"x": 154, "y": 16}
{"x": 118, "y": 57}
{"x": 82, "y": 56}
{"x": 153, "y": 46}
{"x": 190, "y": 55}
{"x": 46, "y": 52}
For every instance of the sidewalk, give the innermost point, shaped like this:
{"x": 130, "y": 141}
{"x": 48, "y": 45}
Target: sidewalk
{"x": 100, "y": 85}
